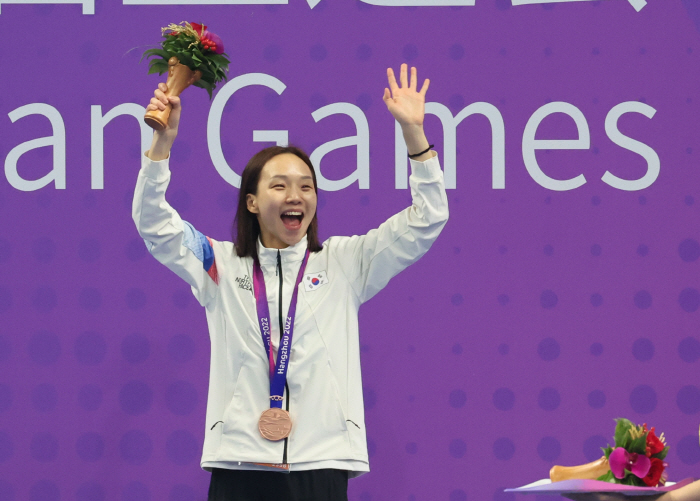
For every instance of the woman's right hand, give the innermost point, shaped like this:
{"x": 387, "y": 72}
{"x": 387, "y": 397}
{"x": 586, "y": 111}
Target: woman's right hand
{"x": 163, "y": 140}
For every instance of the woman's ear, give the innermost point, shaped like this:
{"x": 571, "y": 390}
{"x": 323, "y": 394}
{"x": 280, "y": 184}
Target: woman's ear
{"x": 252, "y": 203}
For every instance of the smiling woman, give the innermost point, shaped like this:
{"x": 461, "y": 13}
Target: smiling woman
{"x": 285, "y": 414}
{"x": 277, "y": 201}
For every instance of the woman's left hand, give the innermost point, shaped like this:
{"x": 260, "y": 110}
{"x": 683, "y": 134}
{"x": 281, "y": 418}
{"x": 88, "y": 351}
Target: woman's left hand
{"x": 406, "y": 103}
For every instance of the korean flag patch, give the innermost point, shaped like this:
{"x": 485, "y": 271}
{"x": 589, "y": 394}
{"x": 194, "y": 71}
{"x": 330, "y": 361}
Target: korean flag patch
{"x": 313, "y": 281}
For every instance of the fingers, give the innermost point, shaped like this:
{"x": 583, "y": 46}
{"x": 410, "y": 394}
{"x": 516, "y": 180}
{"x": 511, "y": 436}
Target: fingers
{"x": 387, "y": 95}
{"x": 404, "y": 79}
{"x": 424, "y": 89}
{"x": 160, "y": 97}
{"x": 392, "y": 80}
{"x": 155, "y": 104}
{"x": 160, "y": 100}
{"x": 404, "y": 75}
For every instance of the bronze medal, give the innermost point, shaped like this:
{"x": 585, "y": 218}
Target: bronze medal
{"x": 275, "y": 424}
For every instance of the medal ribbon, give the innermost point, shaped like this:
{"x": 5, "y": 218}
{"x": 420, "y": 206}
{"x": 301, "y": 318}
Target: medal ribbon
{"x": 278, "y": 372}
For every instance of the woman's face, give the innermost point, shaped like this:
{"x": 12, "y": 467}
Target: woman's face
{"x": 285, "y": 202}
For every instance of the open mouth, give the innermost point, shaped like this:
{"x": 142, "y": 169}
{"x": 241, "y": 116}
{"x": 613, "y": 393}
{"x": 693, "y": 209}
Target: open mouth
{"x": 292, "y": 219}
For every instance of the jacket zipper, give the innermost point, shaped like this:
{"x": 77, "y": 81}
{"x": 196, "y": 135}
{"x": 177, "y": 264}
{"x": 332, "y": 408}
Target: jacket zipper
{"x": 279, "y": 303}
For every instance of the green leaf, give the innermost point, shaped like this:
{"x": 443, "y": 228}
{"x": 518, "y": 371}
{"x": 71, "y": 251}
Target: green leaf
{"x": 631, "y": 479}
{"x": 662, "y": 454}
{"x": 622, "y": 436}
{"x": 635, "y": 480}
{"x": 188, "y": 50}
{"x": 205, "y": 85}
{"x": 186, "y": 60}
{"x": 157, "y": 66}
{"x": 162, "y": 53}
{"x": 162, "y": 63}
{"x": 638, "y": 445}
{"x": 607, "y": 451}
{"x": 219, "y": 59}
{"x": 144, "y": 55}
{"x": 156, "y": 70}
{"x": 608, "y": 477}
{"x": 157, "y": 52}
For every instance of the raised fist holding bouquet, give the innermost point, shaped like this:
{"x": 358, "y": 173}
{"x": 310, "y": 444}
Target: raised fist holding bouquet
{"x": 192, "y": 55}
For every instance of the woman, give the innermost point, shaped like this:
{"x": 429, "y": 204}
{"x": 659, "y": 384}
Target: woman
{"x": 285, "y": 416}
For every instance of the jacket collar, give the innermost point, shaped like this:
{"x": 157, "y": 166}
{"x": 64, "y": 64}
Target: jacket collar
{"x": 291, "y": 254}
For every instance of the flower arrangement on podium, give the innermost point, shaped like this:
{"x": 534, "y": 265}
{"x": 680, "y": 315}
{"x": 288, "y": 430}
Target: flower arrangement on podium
{"x": 192, "y": 55}
{"x": 637, "y": 459}
{"x": 638, "y": 456}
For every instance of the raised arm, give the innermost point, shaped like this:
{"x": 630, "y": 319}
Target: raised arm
{"x": 370, "y": 261}
{"x": 407, "y": 104}
{"x": 163, "y": 140}
{"x": 172, "y": 241}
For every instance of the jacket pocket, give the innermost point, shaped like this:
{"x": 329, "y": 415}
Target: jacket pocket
{"x": 212, "y": 439}
{"x": 342, "y": 413}
{"x": 234, "y": 411}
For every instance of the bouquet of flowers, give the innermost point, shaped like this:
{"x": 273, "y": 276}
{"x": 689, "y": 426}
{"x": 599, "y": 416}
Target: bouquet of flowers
{"x": 638, "y": 456}
{"x": 195, "y": 47}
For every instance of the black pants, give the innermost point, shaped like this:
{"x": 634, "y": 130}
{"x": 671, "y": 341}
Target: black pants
{"x": 251, "y": 485}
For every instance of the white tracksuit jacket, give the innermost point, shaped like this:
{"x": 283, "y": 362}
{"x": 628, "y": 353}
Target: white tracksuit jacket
{"x": 324, "y": 393}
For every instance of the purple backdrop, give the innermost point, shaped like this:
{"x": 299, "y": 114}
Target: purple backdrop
{"x": 538, "y": 316}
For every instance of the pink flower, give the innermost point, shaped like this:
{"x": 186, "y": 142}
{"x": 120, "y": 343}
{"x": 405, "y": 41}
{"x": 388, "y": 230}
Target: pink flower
{"x": 621, "y": 460}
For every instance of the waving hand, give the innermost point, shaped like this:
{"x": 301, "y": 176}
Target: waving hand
{"x": 406, "y": 103}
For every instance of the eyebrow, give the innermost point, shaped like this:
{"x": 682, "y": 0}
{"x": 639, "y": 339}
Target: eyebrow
{"x": 282, "y": 176}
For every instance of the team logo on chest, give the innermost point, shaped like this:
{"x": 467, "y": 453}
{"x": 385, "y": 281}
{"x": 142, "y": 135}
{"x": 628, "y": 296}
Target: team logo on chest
{"x": 313, "y": 281}
{"x": 245, "y": 283}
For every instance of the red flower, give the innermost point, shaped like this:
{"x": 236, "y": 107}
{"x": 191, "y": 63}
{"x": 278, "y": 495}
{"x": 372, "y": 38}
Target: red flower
{"x": 655, "y": 472}
{"x": 212, "y": 42}
{"x": 654, "y": 445}
{"x": 199, "y": 28}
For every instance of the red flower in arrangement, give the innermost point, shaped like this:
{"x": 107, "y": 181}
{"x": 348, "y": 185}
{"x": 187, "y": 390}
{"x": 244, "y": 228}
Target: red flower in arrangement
{"x": 209, "y": 40}
{"x": 212, "y": 42}
{"x": 655, "y": 475}
{"x": 654, "y": 444}
{"x": 199, "y": 28}
{"x": 193, "y": 46}
{"x": 637, "y": 458}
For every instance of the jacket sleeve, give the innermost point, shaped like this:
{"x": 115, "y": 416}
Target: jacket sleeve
{"x": 370, "y": 261}
{"x": 172, "y": 241}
